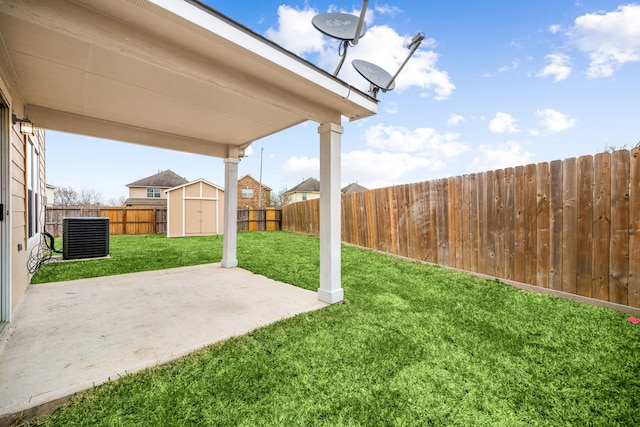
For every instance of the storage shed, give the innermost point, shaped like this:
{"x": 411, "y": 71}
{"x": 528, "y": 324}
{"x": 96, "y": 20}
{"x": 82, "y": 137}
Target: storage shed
{"x": 195, "y": 209}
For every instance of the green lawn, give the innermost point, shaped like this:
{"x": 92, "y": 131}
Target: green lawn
{"x": 414, "y": 345}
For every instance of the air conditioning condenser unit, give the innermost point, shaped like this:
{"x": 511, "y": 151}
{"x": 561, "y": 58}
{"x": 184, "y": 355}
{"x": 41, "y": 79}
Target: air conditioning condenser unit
{"x": 85, "y": 237}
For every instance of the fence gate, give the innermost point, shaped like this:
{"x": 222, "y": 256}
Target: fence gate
{"x": 259, "y": 219}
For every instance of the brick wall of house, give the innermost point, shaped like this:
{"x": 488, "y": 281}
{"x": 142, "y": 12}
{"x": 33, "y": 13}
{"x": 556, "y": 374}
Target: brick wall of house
{"x": 249, "y": 182}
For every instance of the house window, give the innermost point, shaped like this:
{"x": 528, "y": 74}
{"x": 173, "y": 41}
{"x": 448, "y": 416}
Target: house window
{"x": 33, "y": 189}
{"x": 153, "y": 193}
{"x": 247, "y": 193}
{"x": 304, "y": 196}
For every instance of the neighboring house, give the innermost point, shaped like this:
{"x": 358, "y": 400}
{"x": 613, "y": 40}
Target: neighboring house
{"x": 195, "y": 209}
{"x": 308, "y": 189}
{"x": 353, "y": 188}
{"x": 249, "y": 193}
{"x": 151, "y": 191}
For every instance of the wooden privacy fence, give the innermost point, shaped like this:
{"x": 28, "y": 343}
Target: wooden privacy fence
{"x": 122, "y": 220}
{"x": 126, "y": 220}
{"x": 259, "y": 219}
{"x": 571, "y": 225}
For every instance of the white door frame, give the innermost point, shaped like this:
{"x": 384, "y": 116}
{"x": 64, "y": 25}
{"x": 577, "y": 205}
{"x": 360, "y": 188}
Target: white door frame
{"x": 5, "y": 224}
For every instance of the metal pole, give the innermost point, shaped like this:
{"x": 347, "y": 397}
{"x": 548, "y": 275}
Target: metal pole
{"x": 415, "y": 43}
{"x": 363, "y": 11}
{"x": 346, "y": 43}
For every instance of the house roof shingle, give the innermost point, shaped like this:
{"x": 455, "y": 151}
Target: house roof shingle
{"x": 353, "y": 188}
{"x": 164, "y": 179}
{"x": 308, "y": 185}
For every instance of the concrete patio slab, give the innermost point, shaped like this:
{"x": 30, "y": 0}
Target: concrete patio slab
{"x": 68, "y": 336}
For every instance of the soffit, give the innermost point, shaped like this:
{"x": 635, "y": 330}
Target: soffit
{"x": 165, "y": 73}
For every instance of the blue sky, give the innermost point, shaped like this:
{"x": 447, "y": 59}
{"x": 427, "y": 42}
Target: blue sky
{"x": 494, "y": 84}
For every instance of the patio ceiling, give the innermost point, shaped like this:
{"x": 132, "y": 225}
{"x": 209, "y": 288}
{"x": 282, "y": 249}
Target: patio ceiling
{"x": 164, "y": 73}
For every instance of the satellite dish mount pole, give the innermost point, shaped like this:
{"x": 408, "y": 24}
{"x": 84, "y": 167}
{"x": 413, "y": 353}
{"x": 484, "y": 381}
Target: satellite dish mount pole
{"x": 415, "y": 43}
{"x": 342, "y": 51}
{"x": 344, "y": 45}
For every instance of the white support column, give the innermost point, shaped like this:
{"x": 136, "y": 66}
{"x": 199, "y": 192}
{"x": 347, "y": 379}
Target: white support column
{"x": 330, "y": 213}
{"x": 230, "y": 231}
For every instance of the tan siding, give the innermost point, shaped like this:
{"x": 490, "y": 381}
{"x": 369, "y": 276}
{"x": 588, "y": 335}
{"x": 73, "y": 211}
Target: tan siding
{"x": 192, "y": 190}
{"x": 209, "y": 191}
{"x": 221, "y": 202}
{"x": 200, "y": 212}
{"x": 141, "y": 193}
{"x": 19, "y": 274}
{"x": 297, "y": 197}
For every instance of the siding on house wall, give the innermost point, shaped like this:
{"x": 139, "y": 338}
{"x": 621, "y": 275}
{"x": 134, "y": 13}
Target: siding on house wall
{"x": 297, "y": 197}
{"x": 141, "y": 193}
{"x": 20, "y": 244}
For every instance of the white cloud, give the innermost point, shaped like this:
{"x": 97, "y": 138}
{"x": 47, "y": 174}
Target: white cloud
{"x": 554, "y": 120}
{"x": 503, "y": 123}
{"x": 534, "y": 132}
{"x": 555, "y": 28}
{"x": 391, "y": 108}
{"x": 385, "y": 9}
{"x": 295, "y": 31}
{"x": 424, "y": 141}
{"x": 503, "y": 156}
{"x": 381, "y": 45}
{"x": 455, "y": 120}
{"x": 386, "y": 48}
{"x": 558, "y": 67}
{"x": 367, "y": 167}
{"x": 610, "y": 39}
{"x": 248, "y": 151}
{"x": 301, "y": 167}
{"x": 390, "y": 155}
{"x": 378, "y": 169}
{"x": 514, "y": 64}
{"x": 368, "y": 15}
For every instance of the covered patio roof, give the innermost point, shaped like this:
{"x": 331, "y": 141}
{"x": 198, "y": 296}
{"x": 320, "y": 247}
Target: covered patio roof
{"x": 165, "y": 73}
{"x": 174, "y": 74}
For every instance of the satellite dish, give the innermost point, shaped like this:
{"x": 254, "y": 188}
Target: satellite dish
{"x": 341, "y": 26}
{"x": 375, "y": 75}
{"x": 378, "y": 77}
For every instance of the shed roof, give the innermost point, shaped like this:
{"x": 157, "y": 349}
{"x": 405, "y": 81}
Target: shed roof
{"x": 164, "y": 179}
{"x": 308, "y": 185}
{"x": 195, "y": 182}
{"x": 164, "y": 73}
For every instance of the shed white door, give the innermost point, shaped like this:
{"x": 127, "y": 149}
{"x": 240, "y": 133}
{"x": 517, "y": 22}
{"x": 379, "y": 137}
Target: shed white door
{"x": 200, "y": 217}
